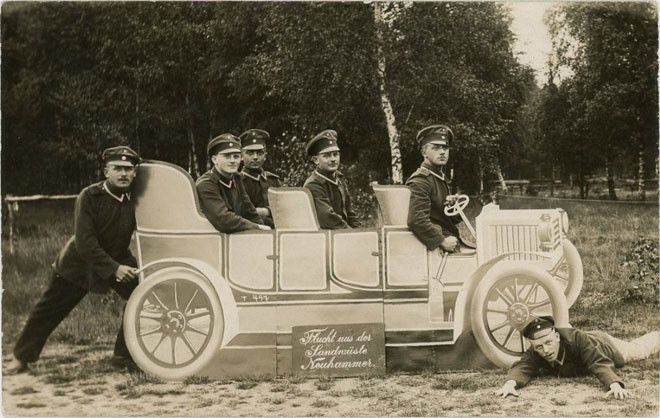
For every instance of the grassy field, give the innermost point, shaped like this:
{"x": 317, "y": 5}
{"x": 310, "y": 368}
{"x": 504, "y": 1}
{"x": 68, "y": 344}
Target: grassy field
{"x": 603, "y": 233}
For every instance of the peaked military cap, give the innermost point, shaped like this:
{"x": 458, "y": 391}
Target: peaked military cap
{"x": 435, "y": 134}
{"x": 254, "y": 139}
{"x": 325, "y": 141}
{"x": 537, "y": 324}
{"x": 121, "y": 155}
{"x": 223, "y": 144}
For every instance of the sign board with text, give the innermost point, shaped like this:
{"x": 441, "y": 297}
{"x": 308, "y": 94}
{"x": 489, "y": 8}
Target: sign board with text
{"x": 338, "y": 350}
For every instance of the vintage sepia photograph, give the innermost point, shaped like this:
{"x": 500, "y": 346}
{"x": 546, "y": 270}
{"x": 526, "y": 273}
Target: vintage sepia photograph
{"x": 330, "y": 208}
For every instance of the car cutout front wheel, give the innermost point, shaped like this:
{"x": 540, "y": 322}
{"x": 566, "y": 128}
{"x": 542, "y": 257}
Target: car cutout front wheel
{"x": 173, "y": 323}
{"x": 504, "y": 301}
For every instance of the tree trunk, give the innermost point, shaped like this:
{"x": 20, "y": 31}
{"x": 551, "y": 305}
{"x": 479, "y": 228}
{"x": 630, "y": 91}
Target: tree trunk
{"x": 611, "y": 193}
{"x": 481, "y": 175}
{"x": 386, "y": 105}
{"x": 552, "y": 180}
{"x": 193, "y": 167}
{"x": 500, "y": 178}
{"x": 641, "y": 184}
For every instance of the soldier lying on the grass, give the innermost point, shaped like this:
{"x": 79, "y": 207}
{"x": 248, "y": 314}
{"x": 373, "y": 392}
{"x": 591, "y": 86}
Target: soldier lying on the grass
{"x": 569, "y": 352}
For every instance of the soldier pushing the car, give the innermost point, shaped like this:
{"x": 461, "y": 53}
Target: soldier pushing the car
{"x": 328, "y": 185}
{"x": 568, "y": 352}
{"x": 96, "y": 258}
{"x": 429, "y": 192}
{"x": 255, "y": 179}
{"x": 222, "y": 194}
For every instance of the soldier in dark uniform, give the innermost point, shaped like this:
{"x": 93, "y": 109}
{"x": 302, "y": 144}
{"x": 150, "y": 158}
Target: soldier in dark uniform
{"x": 96, "y": 258}
{"x": 429, "y": 192}
{"x": 327, "y": 184}
{"x": 568, "y": 352}
{"x": 221, "y": 192}
{"x": 255, "y": 179}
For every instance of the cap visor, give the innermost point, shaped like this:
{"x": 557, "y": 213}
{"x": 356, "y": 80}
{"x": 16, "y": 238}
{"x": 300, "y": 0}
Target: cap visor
{"x": 438, "y": 141}
{"x": 329, "y": 149}
{"x": 124, "y": 163}
{"x": 254, "y": 147}
{"x": 229, "y": 151}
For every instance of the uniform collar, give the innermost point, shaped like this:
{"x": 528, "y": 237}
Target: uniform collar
{"x": 227, "y": 182}
{"x": 254, "y": 174}
{"x": 326, "y": 177}
{"x": 119, "y": 198}
{"x": 436, "y": 171}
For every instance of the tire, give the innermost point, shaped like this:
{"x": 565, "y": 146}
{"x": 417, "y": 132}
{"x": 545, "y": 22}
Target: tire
{"x": 173, "y": 323}
{"x": 568, "y": 273}
{"x": 496, "y": 313}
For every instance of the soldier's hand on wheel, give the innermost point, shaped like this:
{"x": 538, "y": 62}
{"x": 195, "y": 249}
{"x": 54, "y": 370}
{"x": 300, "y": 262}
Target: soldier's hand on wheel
{"x": 264, "y": 227}
{"x": 451, "y": 199}
{"x": 449, "y": 244}
{"x": 125, "y": 273}
{"x": 618, "y": 392}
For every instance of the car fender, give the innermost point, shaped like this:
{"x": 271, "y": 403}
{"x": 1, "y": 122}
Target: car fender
{"x": 219, "y": 283}
{"x": 463, "y": 301}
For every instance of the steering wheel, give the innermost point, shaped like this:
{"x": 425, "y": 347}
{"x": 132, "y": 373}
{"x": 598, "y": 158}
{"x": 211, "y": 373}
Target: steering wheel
{"x": 461, "y": 203}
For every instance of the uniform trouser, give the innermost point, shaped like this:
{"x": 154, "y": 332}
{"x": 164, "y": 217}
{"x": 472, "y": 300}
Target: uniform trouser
{"x": 639, "y": 348}
{"x": 55, "y": 304}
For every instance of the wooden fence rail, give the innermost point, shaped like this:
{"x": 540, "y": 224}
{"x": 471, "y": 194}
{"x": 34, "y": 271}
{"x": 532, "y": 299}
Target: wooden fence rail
{"x": 12, "y": 203}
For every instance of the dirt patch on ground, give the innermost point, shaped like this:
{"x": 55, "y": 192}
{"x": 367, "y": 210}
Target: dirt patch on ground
{"x": 79, "y": 381}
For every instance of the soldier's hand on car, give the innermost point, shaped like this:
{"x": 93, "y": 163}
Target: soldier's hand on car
{"x": 449, "y": 244}
{"x": 264, "y": 227}
{"x": 509, "y": 388}
{"x": 618, "y": 392}
{"x": 125, "y": 273}
{"x": 263, "y": 212}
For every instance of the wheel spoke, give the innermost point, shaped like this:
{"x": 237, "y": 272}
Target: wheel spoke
{"x": 515, "y": 289}
{"x": 536, "y": 306}
{"x": 151, "y": 331}
{"x": 151, "y": 315}
{"x": 176, "y": 298}
{"x": 190, "y": 301}
{"x": 531, "y": 290}
{"x": 193, "y": 329}
{"x": 160, "y": 302}
{"x": 162, "y": 337}
{"x": 500, "y": 326}
{"x": 198, "y": 315}
{"x": 508, "y": 336}
{"x": 500, "y": 311}
{"x": 522, "y": 343}
{"x": 503, "y": 296}
{"x": 173, "y": 343}
{"x": 185, "y": 340}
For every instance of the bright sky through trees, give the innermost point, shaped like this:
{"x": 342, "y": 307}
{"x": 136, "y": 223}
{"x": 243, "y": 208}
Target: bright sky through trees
{"x": 533, "y": 38}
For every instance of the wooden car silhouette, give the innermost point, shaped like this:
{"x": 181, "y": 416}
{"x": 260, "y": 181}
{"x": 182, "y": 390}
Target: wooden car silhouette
{"x": 219, "y": 305}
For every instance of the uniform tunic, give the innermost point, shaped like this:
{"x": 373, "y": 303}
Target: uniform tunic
{"x": 256, "y": 184}
{"x": 426, "y": 218}
{"x": 332, "y": 201}
{"x": 225, "y": 202}
{"x": 103, "y": 229}
{"x": 580, "y": 353}
{"x": 104, "y": 223}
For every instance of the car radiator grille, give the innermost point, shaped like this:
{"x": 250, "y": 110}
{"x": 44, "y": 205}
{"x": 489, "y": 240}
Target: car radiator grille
{"x": 522, "y": 238}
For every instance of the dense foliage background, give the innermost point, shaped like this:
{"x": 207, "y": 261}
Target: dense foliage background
{"x": 166, "y": 77}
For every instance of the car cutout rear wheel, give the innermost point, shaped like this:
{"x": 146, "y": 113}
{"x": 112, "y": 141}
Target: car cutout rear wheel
{"x": 173, "y": 323}
{"x": 504, "y": 300}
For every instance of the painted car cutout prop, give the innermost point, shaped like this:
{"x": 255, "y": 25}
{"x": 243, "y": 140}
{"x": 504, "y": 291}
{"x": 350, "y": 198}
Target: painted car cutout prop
{"x": 299, "y": 299}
